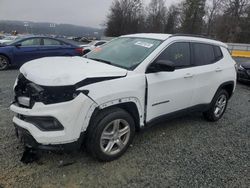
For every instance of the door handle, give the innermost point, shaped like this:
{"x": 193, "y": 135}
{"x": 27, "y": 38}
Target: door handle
{"x": 218, "y": 69}
{"x": 188, "y": 75}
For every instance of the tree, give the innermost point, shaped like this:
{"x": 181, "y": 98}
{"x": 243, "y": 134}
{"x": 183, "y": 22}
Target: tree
{"x": 213, "y": 8}
{"x": 156, "y": 16}
{"x": 193, "y": 12}
{"x": 230, "y": 23}
{"x": 125, "y": 17}
{"x": 235, "y": 10}
{"x": 172, "y": 20}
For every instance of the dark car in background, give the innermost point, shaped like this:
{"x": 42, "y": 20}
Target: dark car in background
{"x": 22, "y": 50}
{"x": 243, "y": 73}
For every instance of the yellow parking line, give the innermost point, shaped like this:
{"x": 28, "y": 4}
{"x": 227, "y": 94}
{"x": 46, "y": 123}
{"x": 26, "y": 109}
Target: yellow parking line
{"x": 237, "y": 53}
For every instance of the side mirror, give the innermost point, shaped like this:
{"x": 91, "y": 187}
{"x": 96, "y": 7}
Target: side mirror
{"x": 18, "y": 45}
{"x": 161, "y": 66}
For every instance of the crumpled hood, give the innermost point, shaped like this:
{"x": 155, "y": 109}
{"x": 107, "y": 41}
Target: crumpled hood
{"x": 63, "y": 71}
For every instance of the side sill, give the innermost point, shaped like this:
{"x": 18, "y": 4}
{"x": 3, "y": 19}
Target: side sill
{"x": 172, "y": 115}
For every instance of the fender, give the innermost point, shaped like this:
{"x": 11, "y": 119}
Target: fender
{"x": 113, "y": 103}
{"x": 225, "y": 84}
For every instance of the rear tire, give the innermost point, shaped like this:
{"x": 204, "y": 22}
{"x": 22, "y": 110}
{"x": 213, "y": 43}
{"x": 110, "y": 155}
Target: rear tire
{"x": 217, "y": 107}
{"x": 4, "y": 63}
{"x": 110, "y": 134}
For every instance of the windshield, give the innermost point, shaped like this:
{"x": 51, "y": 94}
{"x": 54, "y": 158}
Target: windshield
{"x": 125, "y": 52}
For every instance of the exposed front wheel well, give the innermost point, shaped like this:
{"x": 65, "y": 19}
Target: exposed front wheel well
{"x": 130, "y": 107}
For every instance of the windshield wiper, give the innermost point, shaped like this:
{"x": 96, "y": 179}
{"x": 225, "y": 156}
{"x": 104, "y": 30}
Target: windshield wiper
{"x": 101, "y": 60}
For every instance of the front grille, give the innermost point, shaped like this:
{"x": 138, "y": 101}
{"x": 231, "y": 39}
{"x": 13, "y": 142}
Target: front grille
{"x": 44, "y": 94}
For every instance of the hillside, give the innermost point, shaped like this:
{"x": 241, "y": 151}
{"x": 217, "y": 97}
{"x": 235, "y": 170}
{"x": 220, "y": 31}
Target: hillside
{"x": 48, "y": 28}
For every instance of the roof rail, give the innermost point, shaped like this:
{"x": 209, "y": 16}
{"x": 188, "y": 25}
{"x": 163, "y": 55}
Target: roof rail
{"x": 190, "y": 35}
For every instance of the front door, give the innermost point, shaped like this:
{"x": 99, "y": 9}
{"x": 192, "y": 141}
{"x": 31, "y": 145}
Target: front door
{"x": 28, "y": 49}
{"x": 171, "y": 91}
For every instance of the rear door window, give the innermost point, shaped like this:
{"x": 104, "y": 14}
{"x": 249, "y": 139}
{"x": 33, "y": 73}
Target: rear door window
{"x": 51, "y": 42}
{"x": 205, "y": 54}
{"x": 217, "y": 53}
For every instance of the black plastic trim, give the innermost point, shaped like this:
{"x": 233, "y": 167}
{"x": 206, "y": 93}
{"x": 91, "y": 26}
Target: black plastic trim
{"x": 191, "y": 35}
{"x": 29, "y": 141}
{"x": 197, "y": 108}
{"x": 37, "y": 120}
{"x": 89, "y": 81}
{"x": 158, "y": 103}
{"x": 145, "y": 100}
{"x": 225, "y": 84}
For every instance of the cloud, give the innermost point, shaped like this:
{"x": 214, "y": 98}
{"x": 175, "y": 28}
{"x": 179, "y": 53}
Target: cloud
{"x": 80, "y": 12}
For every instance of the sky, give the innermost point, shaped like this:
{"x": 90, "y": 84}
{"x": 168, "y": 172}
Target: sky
{"x": 91, "y": 13}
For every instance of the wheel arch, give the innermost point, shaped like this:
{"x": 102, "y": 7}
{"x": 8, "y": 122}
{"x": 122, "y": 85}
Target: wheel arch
{"x": 5, "y": 55}
{"x": 228, "y": 86}
{"x": 129, "y": 106}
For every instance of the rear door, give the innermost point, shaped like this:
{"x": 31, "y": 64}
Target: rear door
{"x": 52, "y": 47}
{"x": 27, "y": 50}
{"x": 171, "y": 91}
{"x": 208, "y": 70}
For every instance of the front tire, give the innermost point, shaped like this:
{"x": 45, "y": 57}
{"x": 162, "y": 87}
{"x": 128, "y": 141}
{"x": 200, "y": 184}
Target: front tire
{"x": 218, "y": 106}
{"x": 110, "y": 134}
{"x": 4, "y": 63}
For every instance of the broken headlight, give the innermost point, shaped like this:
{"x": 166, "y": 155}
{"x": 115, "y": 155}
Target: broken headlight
{"x": 27, "y": 93}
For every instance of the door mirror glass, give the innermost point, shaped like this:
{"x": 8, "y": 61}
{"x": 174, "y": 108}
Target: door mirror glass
{"x": 161, "y": 66}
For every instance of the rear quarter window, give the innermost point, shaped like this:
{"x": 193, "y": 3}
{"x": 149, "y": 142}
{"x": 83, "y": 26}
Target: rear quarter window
{"x": 217, "y": 53}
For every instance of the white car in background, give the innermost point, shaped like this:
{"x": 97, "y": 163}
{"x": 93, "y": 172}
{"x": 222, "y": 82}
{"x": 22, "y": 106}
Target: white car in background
{"x": 94, "y": 44}
{"x": 8, "y": 39}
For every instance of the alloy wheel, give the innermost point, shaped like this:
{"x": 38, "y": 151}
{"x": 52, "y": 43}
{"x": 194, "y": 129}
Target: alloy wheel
{"x": 220, "y": 105}
{"x": 115, "y": 136}
{"x": 3, "y": 63}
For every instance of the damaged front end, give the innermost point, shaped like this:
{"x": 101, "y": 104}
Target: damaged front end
{"x": 46, "y": 126}
{"x": 28, "y": 93}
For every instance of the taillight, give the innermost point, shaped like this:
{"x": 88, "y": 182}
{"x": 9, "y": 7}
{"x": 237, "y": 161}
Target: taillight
{"x": 79, "y": 50}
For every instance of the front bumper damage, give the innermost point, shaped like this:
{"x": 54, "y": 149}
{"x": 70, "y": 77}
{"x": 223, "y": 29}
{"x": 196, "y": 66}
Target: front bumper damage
{"x": 29, "y": 142}
{"x": 72, "y": 115}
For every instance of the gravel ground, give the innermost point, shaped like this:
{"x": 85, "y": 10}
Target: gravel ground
{"x": 185, "y": 152}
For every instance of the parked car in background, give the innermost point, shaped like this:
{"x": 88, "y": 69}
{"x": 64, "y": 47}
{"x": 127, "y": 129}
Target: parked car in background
{"x": 79, "y": 39}
{"x": 8, "y": 39}
{"x": 2, "y": 36}
{"x": 84, "y": 40}
{"x": 25, "y": 49}
{"x": 243, "y": 72}
{"x": 89, "y": 47}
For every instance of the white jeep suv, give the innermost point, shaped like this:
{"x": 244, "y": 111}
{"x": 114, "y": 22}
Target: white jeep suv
{"x": 100, "y": 100}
